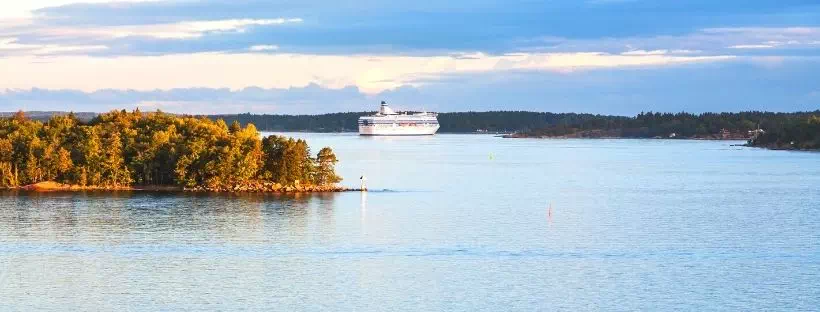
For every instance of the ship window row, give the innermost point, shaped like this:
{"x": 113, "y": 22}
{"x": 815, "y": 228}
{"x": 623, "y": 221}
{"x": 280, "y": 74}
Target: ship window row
{"x": 370, "y": 122}
{"x": 401, "y": 125}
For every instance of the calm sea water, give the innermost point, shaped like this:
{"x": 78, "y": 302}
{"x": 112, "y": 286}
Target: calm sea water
{"x": 453, "y": 223}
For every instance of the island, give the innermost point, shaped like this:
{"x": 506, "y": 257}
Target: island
{"x": 156, "y": 151}
{"x": 797, "y": 131}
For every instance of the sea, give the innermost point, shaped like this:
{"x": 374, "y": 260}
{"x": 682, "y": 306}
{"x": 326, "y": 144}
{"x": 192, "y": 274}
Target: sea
{"x": 450, "y": 223}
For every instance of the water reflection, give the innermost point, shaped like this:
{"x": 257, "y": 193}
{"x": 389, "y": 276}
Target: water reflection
{"x": 121, "y": 248}
{"x": 467, "y": 236}
{"x": 121, "y": 217}
{"x": 363, "y": 212}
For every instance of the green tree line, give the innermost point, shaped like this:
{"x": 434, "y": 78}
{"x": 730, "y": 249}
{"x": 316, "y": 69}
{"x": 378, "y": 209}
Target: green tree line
{"x": 120, "y": 149}
{"x": 643, "y": 125}
{"x": 683, "y": 125}
{"x": 456, "y": 122}
{"x": 795, "y": 133}
{"x": 649, "y": 124}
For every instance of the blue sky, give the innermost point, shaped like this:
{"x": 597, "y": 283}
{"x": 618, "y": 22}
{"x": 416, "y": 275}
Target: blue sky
{"x": 598, "y": 56}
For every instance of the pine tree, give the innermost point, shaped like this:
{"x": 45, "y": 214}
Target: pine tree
{"x": 326, "y": 172}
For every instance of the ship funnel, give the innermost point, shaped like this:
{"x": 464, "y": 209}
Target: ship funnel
{"x": 385, "y": 110}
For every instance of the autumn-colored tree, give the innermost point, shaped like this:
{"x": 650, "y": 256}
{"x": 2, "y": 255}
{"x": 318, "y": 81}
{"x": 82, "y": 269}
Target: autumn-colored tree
{"x": 8, "y": 173}
{"x": 124, "y": 148}
{"x": 326, "y": 171}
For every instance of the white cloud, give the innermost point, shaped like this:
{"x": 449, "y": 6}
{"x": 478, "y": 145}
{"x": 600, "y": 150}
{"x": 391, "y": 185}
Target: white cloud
{"x": 751, "y": 46}
{"x": 684, "y": 51}
{"x": 702, "y": 42}
{"x": 179, "y": 30}
{"x": 260, "y": 48}
{"x": 645, "y": 52}
{"x": 14, "y": 9}
{"x": 11, "y": 46}
{"x": 370, "y": 73}
{"x": 764, "y": 37}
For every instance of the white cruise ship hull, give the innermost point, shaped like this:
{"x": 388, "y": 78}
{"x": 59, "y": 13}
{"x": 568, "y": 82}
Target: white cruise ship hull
{"x": 396, "y": 129}
{"x": 388, "y": 122}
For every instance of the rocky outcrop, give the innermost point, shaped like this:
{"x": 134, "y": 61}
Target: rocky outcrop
{"x": 250, "y": 187}
{"x": 269, "y": 187}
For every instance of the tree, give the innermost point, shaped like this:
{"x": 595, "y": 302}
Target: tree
{"x": 326, "y": 172}
{"x": 8, "y": 172}
{"x": 120, "y": 148}
{"x": 114, "y": 172}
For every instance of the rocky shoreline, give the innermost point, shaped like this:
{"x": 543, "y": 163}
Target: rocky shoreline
{"x": 270, "y": 187}
{"x": 252, "y": 187}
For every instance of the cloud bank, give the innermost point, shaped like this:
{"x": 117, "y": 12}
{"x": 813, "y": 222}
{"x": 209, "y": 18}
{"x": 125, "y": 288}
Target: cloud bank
{"x": 223, "y": 50}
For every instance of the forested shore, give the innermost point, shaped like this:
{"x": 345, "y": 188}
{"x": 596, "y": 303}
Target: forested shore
{"x": 795, "y": 134}
{"x": 800, "y": 130}
{"x": 155, "y": 151}
{"x": 763, "y": 129}
{"x": 451, "y": 122}
{"x": 796, "y": 130}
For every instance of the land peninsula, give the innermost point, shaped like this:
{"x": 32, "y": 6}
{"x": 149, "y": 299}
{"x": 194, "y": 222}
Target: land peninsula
{"x": 794, "y": 131}
{"x": 156, "y": 151}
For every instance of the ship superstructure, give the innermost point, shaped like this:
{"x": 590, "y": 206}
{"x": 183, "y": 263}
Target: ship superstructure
{"x": 389, "y": 122}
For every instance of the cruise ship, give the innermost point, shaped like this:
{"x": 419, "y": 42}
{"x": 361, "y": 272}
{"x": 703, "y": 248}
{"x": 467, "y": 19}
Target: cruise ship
{"x": 389, "y": 122}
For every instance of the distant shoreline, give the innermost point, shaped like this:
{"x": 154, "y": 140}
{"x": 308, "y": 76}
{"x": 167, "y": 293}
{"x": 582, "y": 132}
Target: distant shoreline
{"x": 747, "y": 144}
{"x": 615, "y": 138}
{"x": 498, "y": 122}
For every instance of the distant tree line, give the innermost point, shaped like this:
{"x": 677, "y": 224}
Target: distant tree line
{"x": 336, "y": 122}
{"x": 122, "y": 148}
{"x": 740, "y": 125}
{"x": 684, "y": 125}
{"x": 780, "y": 129}
{"x": 44, "y": 116}
{"x": 800, "y": 132}
{"x": 457, "y": 122}
{"x": 678, "y": 125}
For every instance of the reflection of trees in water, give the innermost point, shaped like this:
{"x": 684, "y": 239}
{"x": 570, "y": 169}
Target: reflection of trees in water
{"x": 168, "y": 217}
{"x": 53, "y": 215}
{"x": 61, "y": 216}
{"x": 326, "y": 226}
{"x": 363, "y": 212}
{"x": 289, "y": 217}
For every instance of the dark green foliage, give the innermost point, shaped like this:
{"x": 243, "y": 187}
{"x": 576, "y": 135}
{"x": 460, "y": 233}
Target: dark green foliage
{"x": 337, "y": 122}
{"x": 782, "y": 128}
{"x": 287, "y": 161}
{"x": 45, "y": 116}
{"x": 326, "y": 173}
{"x": 644, "y": 125}
{"x": 461, "y": 122}
{"x": 682, "y": 125}
{"x": 794, "y": 133}
{"x": 122, "y": 148}
{"x": 505, "y": 121}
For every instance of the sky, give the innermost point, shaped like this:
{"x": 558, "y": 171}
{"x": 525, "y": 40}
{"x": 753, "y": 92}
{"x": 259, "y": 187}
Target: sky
{"x": 313, "y": 56}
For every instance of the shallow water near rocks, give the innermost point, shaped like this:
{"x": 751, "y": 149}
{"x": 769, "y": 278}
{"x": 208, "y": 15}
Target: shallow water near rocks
{"x": 453, "y": 223}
